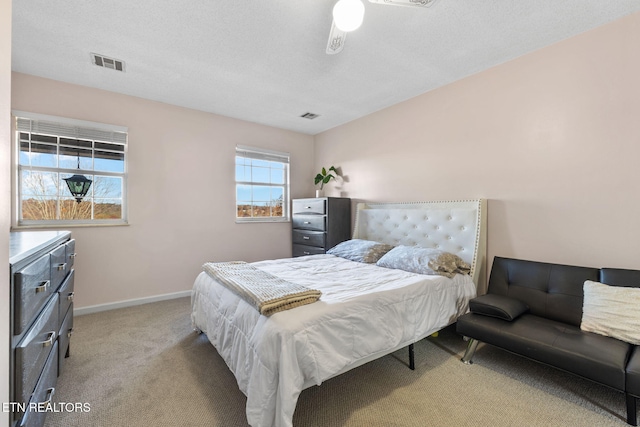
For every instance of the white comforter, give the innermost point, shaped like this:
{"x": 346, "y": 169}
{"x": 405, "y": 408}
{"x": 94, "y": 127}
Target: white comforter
{"x": 365, "y": 311}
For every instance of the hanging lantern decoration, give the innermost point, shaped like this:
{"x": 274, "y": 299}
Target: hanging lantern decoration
{"x": 78, "y": 184}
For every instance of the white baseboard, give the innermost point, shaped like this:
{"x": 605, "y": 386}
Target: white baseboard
{"x": 128, "y": 303}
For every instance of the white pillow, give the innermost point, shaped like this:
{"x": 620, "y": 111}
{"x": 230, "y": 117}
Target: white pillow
{"x": 359, "y": 250}
{"x": 424, "y": 261}
{"x": 612, "y": 311}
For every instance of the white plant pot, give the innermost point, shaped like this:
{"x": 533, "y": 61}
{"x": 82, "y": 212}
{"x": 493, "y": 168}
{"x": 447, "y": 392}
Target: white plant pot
{"x": 319, "y": 193}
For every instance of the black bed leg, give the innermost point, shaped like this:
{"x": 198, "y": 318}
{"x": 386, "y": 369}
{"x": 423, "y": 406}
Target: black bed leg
{"x": 631, "y": 410}
{"x": 412, "y": 360}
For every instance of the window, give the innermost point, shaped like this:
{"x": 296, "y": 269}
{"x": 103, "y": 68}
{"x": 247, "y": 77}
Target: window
{"x": 262, "y": 185}
{"x": 50, "y": 149}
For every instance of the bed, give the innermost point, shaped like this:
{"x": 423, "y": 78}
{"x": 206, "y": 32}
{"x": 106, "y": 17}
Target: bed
{"x": 365, "y": 311}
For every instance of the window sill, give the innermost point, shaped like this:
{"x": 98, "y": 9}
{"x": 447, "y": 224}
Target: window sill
{"x": 66, "y": 225}
{"x": 262, "y": 221}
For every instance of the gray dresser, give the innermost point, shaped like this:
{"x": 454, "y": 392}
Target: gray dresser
{"x": 41, "y": 319}
{"x": 319, "y": 224}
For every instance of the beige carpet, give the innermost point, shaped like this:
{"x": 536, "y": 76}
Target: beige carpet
{"x": 144, "y": 366}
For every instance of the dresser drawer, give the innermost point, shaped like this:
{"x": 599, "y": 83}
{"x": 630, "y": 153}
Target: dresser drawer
{"x": 64, "y": 336}
{"x": 32, "y": 289}
{"x": 309, "y": 222}
{"x": 310, "y": 238}
{"x": 65, "y": 294}
{"x": 309, "y": 206}
{"x": 44, "y": 391}
{"x": 302, "y": 250}
{"x": 58, "y": 266}
{"x": 32, "y": 352}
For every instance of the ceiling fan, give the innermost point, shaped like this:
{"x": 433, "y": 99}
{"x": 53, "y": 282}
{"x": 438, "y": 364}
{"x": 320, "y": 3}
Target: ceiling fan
{"x": 348, "y": 15}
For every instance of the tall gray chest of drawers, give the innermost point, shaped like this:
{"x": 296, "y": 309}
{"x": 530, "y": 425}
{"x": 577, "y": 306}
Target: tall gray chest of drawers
{"x": 319, "y": 224}
{"x": 41, "y": 319}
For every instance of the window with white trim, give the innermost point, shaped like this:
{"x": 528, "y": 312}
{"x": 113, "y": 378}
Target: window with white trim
{"x": 262, "y": 185}
{"x": 50, "y": 149}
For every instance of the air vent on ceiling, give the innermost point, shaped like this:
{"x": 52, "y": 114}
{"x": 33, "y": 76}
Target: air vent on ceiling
{"x": 106, "y": 62}
{"x": 309, "y": 116}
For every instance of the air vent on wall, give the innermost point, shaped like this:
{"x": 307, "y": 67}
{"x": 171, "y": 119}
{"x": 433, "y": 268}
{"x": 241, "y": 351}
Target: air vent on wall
{"x": 106, "y": 62}
{"x": 309, "y": 116}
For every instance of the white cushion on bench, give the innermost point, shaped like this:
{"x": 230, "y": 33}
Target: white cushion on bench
{"x": 612, "y": 311}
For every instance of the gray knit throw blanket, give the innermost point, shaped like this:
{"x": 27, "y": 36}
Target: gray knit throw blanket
{"x": 267, "y": 293}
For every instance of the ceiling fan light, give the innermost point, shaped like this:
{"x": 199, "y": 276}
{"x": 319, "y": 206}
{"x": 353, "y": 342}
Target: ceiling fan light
{"x": 348, "y": 14}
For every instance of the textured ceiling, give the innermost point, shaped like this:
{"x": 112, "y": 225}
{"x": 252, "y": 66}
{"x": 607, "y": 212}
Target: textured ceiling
{"x": 265, "y": 61}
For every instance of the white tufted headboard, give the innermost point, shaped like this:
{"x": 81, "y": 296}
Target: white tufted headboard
{"x": 458, "y": 227}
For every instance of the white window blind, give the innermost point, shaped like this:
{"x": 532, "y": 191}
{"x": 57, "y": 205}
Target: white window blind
{"x": 72, "y": 130}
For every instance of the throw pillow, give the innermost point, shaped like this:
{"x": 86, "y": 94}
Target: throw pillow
{"x": 499, "y": 306}
{"x": 611, "y": 311}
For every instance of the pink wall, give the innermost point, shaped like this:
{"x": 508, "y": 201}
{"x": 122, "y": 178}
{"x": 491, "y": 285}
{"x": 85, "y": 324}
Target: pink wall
{"x": 5, "y": 188}
{"x": 181, "y": 192}
{"x": 552, "y": 139}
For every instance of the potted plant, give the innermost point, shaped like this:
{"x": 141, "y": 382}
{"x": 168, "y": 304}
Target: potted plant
{"x": 323, "y": 178}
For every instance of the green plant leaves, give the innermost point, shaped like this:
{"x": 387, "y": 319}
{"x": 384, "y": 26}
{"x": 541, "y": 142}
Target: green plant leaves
{"x": 324, "y": 177}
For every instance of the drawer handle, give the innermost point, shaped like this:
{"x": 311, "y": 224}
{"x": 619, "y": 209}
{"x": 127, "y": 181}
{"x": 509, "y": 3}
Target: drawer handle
{"x": 308, "y": 207}
{"x": 70, "y": 296}
{"x": 73, "y": 255}
{"x": 305, "y": 237}
{"x": 307, "y": 222}
{"x": 306, "y": 252}
{"x": 51, "y": 338}
{"x": 50, "y": 392}
{"x": 61, "y": 267}
{"x": 69, "y": 333}
{"x": 43, "y": 287}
